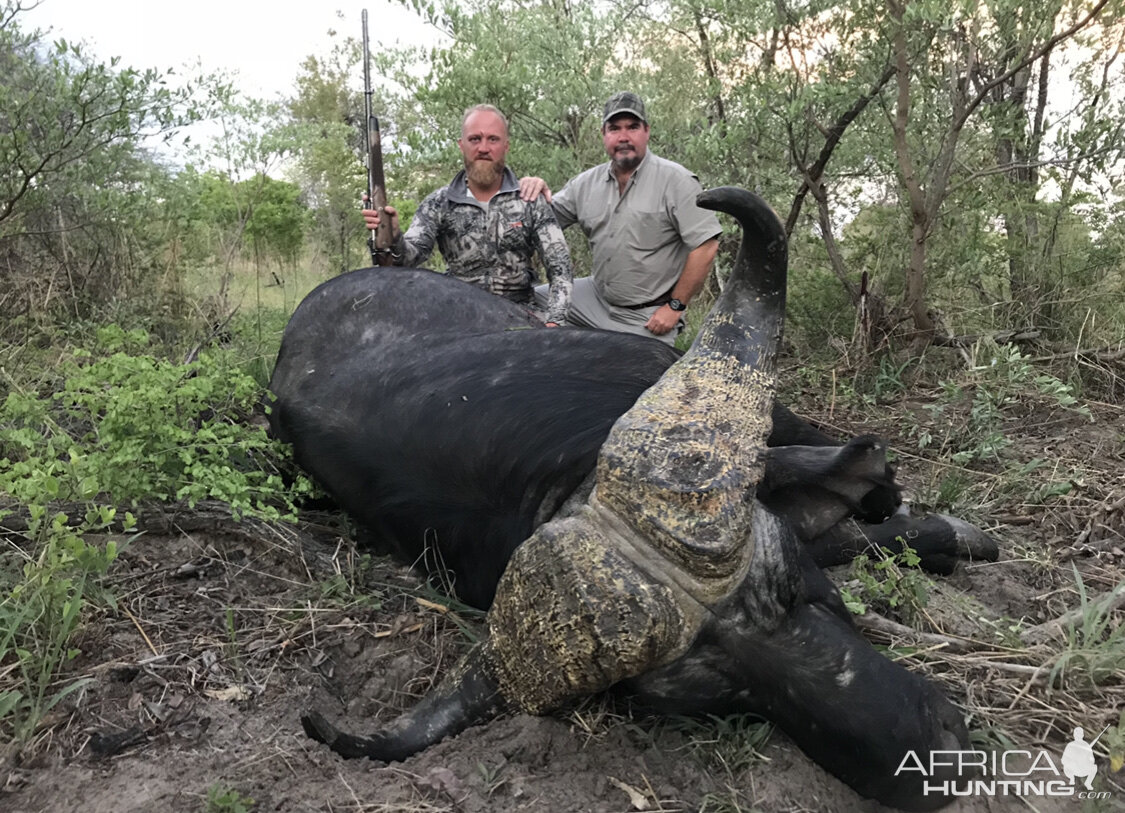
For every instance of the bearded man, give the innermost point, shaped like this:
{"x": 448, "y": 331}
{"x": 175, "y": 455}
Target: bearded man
{"x": 486, "y": 233}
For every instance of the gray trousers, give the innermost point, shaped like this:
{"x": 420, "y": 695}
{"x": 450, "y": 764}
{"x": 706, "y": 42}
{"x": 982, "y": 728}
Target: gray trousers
{"x": 588, "y": 309}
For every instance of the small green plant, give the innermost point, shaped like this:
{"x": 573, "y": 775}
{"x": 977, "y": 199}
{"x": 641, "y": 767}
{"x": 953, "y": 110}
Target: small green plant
{"x": 1039, "y": 556}
{"x": 1005, "y": 630}
{"x": 922, "y": 436}
{"x": 490, "y": 774}
{"x": 985, "y": 433}
{"x": 1114, "y": 739}
{"x": 1095, "y": 643}
{"x": 991, "y": 738}
{"x": 221, "y": 799}
{"x": 732, "y": 743}
{"x": 891, "y": 583}
{"x": 889, "y": 382}
{"x": 729, "y": 802}
{"x": 467, "y": 618}
{"x": 1002, "y": 376}
{"x": 952, "y": 488}
{"x": 340, "y": 591}
{"x": 347, "y": 587}
{"x": 41, "y": 611}
{"x": 1033, "y": 482}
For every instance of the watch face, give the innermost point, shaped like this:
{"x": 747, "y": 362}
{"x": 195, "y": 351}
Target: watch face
{"x": 676, "y": 305}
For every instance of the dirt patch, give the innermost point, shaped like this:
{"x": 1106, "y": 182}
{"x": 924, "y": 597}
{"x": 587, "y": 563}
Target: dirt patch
{"x": 223, "y": 639}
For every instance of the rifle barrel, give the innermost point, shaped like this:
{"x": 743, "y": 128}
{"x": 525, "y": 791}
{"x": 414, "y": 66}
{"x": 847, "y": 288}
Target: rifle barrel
{"x": 367, "y": 93}
{"x": 381, "y": 240}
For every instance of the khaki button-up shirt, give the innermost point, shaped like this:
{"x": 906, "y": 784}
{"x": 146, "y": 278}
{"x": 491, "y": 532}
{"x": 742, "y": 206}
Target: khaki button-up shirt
{"x": 640, "y": 238}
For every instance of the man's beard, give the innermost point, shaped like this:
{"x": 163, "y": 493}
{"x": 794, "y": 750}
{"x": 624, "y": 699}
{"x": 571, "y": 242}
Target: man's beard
{"x": 484, "y": 173}
{"x": 626, "y": 163}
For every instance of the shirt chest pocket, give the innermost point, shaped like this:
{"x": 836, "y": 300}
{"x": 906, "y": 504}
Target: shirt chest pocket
{"x": 647, "y": 230}
{"x": 512, "y": 234}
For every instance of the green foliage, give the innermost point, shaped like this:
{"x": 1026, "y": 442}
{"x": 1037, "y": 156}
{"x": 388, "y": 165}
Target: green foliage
{"x": 44, "y": 596}
{"x": 1036, "y": 481}
{"x": 889, "y": 382}
{"x": 112, "y": 425}
{"x": 1001, "y": 380}
{"x": 732, "y": 801}
{"x": 109, "y": 424}
{"x": 79, "y": 217}
{"x": 223, "y": 799}
{"x": 328, "y": 125}
{"x": 954, "y": 488}
{"x": 817, "y": 307}
{"x": 348, "y": 587}
{"x": 1114, "y": 740}
{"x": 215, "y": 215}
{"x": 731, "y": 743}
{"x": 68, "y": 118}
{"x": 135, "y": 427}
{"x": 1095, "y": 642}
{"x": 892, "y": 583}
{"x": 1023, "y": 228}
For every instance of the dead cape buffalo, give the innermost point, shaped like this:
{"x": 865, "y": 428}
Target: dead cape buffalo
{"x": 450, "y": 438}
{"x": 441, "y": 418}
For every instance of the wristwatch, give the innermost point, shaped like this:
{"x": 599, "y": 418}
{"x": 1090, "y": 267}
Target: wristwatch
{"x": 676, "y": 305}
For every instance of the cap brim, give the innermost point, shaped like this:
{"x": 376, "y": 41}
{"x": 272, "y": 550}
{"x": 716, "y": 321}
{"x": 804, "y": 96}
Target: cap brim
{"x": 625, "y": 111}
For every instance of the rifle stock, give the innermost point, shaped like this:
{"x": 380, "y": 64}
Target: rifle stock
{"x": 382, "y": 239}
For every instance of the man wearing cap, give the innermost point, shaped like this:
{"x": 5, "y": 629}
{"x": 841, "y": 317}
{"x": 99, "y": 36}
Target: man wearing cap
{"x": 652, "y": 246}
{"x": 487, "y": 234}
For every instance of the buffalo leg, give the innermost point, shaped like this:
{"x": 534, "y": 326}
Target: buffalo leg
{"x": 783, "y": 647}
{"x": 940, "y": 541}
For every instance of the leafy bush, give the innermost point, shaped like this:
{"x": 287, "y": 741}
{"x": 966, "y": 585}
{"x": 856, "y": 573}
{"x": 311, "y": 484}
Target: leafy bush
{"x": 129, "y": 427}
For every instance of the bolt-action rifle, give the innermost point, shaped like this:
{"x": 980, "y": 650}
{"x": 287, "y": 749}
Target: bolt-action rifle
{"x": 383, "y": 238}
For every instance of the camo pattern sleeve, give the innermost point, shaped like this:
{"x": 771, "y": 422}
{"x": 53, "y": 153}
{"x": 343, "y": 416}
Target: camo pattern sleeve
{"x": 555, "y": 255}
{"x": 418, "y": 242}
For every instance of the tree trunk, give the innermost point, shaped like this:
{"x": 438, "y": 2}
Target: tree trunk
{"x": 914, "y": 295}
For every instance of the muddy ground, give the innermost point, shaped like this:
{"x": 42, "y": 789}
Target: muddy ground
{"x": 226, "y": 632}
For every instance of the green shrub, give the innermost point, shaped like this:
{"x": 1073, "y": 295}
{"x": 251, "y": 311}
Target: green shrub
{"x": 129, "y": 427}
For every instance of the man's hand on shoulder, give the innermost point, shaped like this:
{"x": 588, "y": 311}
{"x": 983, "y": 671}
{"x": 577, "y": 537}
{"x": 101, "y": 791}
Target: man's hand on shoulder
{"x": 532, "y": 187}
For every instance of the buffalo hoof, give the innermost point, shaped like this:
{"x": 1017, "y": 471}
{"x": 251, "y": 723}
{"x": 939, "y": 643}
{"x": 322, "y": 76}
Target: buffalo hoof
{"x": 971, "y": 542}
{"x": 940, "y": 541}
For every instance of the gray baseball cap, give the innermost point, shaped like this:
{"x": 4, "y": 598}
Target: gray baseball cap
{"x": 624, "y": 102}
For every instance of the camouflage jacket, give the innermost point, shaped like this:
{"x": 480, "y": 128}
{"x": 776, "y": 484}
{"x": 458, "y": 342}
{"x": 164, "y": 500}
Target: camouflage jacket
{"x": 492, "y": 245}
